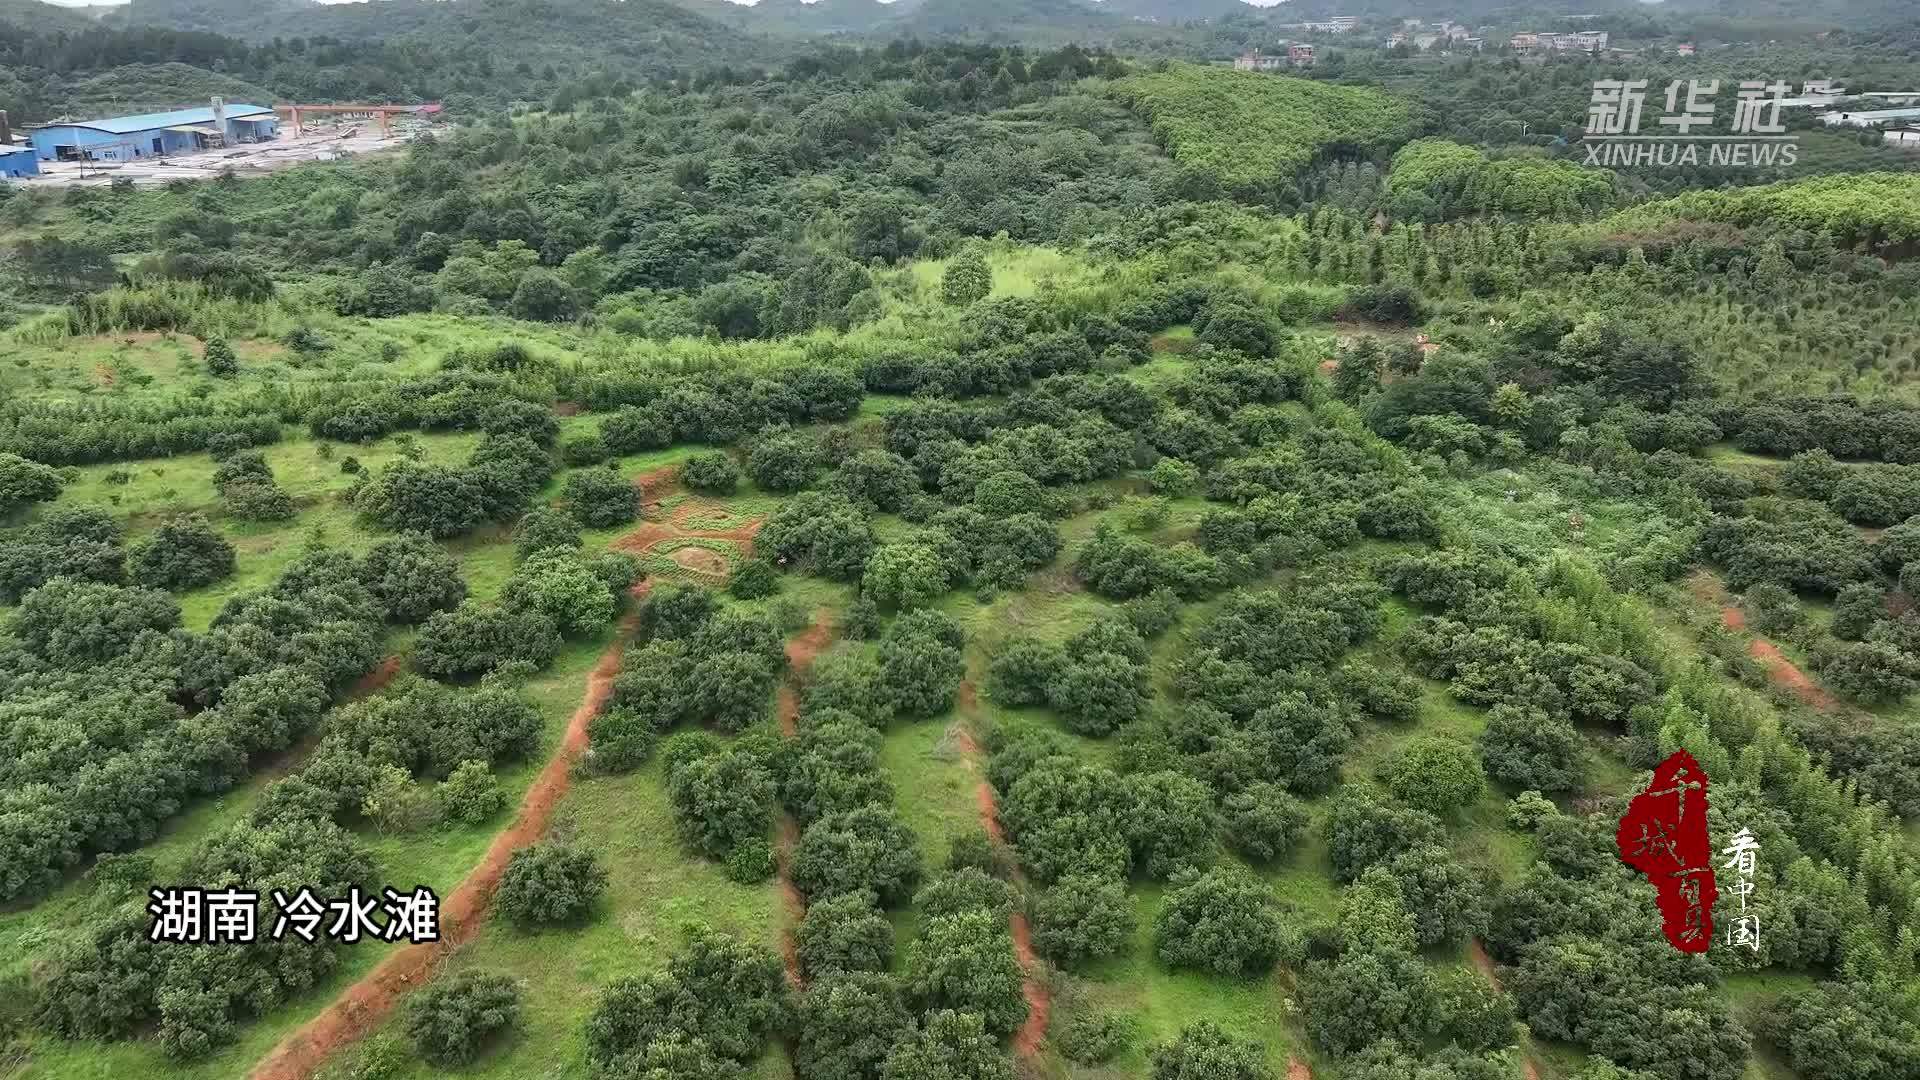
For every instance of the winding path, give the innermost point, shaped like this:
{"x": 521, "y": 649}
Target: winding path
{"x": 1026, "y": 1041}
{"x": 801, "y": 651}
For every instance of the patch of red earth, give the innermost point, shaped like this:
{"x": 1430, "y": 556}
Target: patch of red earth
{"x": 376, "y": 680}
{"x": 802, "y": 648}
{"x": 1297, "y": 1070}
{"x": 360, "y": 1008}
{"x": 566, "y": 408}
{"x": 701, "y": 561}
{"x": 1784, "y": 672}
{"x": 1026, "y": 1041}
{"x": 657, "y": 484}
{"x": 1169, "y": 344}
{"x": 1329, "y": 368}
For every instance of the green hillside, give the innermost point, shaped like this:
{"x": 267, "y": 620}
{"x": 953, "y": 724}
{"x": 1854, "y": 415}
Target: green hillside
{"x": 1252, "y": 131}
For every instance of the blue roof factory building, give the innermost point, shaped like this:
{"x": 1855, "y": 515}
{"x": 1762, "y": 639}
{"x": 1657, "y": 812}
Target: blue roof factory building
{"x": 129, "y": 138}
{"x": 18, "y": 161}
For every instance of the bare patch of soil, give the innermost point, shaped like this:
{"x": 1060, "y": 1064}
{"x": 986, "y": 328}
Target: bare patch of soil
{"x": 791, "y": 899}
{"x": 1484, "y": 963}
{"x": 566, "y": 408}
{"x": 360, "y": 1008}
{"x": 657, "y": 484}
{"x": 376, "y": 680}
{"x": 1026, "y": 1041}
{"x": 1297, "y": 1070}
{"x": 1786, "y": 674}
{"x": 702, "y": 561}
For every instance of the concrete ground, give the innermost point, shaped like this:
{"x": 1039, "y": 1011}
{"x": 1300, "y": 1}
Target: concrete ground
{"x": 253, "y": 159}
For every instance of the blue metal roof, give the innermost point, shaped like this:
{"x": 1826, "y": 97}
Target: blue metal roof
{"x": 123, "y": 125}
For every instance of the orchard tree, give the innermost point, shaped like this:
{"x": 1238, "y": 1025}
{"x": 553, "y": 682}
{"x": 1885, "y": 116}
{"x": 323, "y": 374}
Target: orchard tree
{"x": 847, "y": 1023}
{"x": 842, "y": 934}
{"x": 1263, "y": 822}
{"x": 966, "y": 962}
{"x": 904, "y": 576}
{"x": 1225, "y": 921}
{"x": 1435, "y": 774}
{"x": 545, "y": 528}
{"x": 948, "y": 1045}
{"x": 967, "y": 278}
{"x": 1171, "y": 823}
{"x": 550, "y": 883}
{"x": 184, "y": 553}
{"x": 711, "y": 473}
{"x": 1530, "y": 749}
{"x": 1205, "y": 1052}
{"x": 453, "y": 1017}
{"x": 722, "y": 801}
{"x": 1080, "y": 918}
{"x": 413, "y": 578}
{"x": 23, "y": 482}
{"x": 868, "y": 849}
{"x": 563, "y": 587}
{"x": 601, "y": 498}
{"x": 784, "y": 461}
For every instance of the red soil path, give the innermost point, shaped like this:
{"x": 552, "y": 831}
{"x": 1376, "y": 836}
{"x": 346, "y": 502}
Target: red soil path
{"x": 360, "y": 1007}
{"x": 1783, "y": 671}
{"x": 1297, "y": 1070}
{"x": 802, "y": 648}
{"x": 1026, "y": 1041}
{"x": 376, "y": 680}
{"x": 1485, "y": 963}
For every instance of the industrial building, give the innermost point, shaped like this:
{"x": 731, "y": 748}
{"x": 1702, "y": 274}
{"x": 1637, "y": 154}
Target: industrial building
{"x": 17, "y": 159}
{"x": 128, "y": 138}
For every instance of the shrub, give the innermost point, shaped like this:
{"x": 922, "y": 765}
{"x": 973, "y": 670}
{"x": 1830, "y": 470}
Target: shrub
{"x": 470, "y": 794}
{"x": 184, "y": 553}
{"x": 711, "y": 473}
{"x": 844, "y": 933}
{"x": 1173, "y": 477}
{"x": 966, "y": 962}
{"x": 23, "y": 482}
{"x": 1435, "y": 774}
{"x": 1225, "y": 921}
{"x": 1263, "y": 822}
{"x": 863, "y": 850}
{"x": 1529, "y": 748}
{"x": 1095, "y": 1038}
{"x": 545, "y": 528}
{"x": 751, "y": 862}
{"x": 220, "y": 360}
{"x": 601, "y": 498}
{"x": 413, "y": 578}
{"x": 550, "y": 883}
{"x": 1080, "y": 918}
{"x": 1204, "y": 1052}
{"x": 453, "y": 1016}
{"x": 721, "y": 801}
{"x": 472, "y": 640}
{"x": 753, "y": 580}
{"x": 584, "y": 448}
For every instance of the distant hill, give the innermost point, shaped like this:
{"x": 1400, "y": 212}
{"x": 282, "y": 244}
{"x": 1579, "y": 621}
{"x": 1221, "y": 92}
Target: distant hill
{"x": 34, "y": 15}
{"x": 137, "y": 88}
{"x": 1174, "y": 12}
{"x": 1009, "y": 20}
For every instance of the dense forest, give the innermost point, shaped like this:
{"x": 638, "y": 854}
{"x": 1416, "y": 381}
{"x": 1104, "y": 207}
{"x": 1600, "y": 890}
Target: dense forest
{"x": 950, "y": 560}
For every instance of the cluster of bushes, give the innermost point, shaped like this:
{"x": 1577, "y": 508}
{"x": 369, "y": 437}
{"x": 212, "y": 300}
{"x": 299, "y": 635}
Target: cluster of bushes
{"x": 247, "y": 487}
{"x": 1845, "y": 427}
{"x": 63, "y": 434}
{"x": 708, "y": 1014}
{"x": 165, "y": 715}
{"x": 696, "y": 662}
{"x": 84, "y": 543}
{"x": 555, "y": 592}
{"x": 1097, "y": 680}
{"x": 497, "y": 483}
